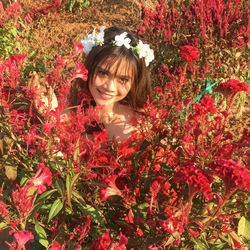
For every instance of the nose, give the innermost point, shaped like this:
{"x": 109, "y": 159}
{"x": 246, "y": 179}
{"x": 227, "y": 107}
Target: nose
{"x": 110, "y": 85}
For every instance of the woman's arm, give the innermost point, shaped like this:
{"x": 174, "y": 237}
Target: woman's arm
{"x": 44, "y": 95}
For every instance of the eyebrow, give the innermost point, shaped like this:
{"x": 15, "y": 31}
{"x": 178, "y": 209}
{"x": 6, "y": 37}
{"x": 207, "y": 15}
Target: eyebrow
{"x": 107, "y": 70}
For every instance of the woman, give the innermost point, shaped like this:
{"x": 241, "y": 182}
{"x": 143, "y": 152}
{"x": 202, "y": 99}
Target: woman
{"x": 118, "y": 78}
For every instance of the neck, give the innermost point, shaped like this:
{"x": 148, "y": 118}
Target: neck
{"x": 108, "y": 112}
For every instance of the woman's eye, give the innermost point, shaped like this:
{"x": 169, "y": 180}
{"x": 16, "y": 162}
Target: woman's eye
{"x": 102, "y": 73}
{"x": 123, "y": 80}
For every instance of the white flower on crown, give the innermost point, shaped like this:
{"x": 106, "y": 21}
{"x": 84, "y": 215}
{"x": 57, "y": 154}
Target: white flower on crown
{"x": 93, "y": 39}
{"x": 143, "y": 50}
{"x": 122, "y": 40}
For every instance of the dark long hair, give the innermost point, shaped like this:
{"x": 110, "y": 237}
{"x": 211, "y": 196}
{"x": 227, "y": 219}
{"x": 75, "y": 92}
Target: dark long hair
{"x": 108, "y": 53}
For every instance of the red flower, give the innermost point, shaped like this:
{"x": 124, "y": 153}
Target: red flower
{"x": 232, "y": 85}
{"x": 122, "y": 243}
{"x": 22, "y": 200}
{"x": 190, "y": 53}
{"x": 81, "y": 72}
{"x": 197, "y": 178}
{"x": 102, "y": 243}
{"x": 22, "y": 238}
{"x": 233, "y": 174}
{"x": 79, "y": 48}
{"x": 3, "y": 210}
{"x": 15, "y": 59}
{"x": 43, "y": 176}
{"x": 56, "y": 246}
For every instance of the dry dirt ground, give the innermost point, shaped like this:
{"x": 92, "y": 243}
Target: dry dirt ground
{"x": 56, "y": 32}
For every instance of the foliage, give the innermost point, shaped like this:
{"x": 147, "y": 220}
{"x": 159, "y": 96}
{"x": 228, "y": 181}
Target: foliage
{"x": 180, "y": 182}
{"x": 80, "y": 3}
{"x": 218, "y": 28}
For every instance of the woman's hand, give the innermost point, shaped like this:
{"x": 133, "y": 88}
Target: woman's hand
{"x": 45, "y": 99}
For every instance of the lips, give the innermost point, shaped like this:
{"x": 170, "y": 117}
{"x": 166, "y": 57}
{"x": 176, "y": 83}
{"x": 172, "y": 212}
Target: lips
{"x": 104, "y": 95}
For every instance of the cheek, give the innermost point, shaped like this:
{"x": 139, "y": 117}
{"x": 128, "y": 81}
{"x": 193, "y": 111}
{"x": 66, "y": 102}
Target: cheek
{"x": 127, "y": 88}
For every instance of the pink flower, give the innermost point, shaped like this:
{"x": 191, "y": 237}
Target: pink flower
{"x": 111, "y": 190}
{"x": 22, "y": 238}
{"x": 42, "y": 177}
{"x": 190, "y": 53}
{"x": 232, "y": 85}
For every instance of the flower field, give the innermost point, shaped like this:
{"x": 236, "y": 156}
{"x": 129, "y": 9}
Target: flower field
{"x": 180, "y": 182}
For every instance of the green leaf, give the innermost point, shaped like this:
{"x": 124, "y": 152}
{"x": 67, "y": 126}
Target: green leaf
{"x": 42, "y": 236}
{"x": 97, "y": 184}
{"x": 94, "y": 214}
{"x": 60, "y": 186}
{"x": 78, "y": 198}
{"x": 77, "y": 151}
{"x": 244, "y": 227}
{"x": 74, "y": 179}
{"x": 68, "y": 188}
{"x": 45, "y": 195}
{"x": 3, "y": 225}
{"x": 1, "y": 146}
{"x": 55, "y": 209}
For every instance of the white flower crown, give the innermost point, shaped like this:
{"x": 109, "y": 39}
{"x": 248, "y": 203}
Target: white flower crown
{"x": 97, "y": 39}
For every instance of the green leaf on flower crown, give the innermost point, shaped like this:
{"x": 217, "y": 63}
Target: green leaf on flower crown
{"x": 42, "y": 236}
{"x": 244, "y": 227}
{"x": 55, "y": 209}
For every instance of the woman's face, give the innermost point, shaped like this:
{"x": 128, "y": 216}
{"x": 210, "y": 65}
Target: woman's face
{"x": 111, "y": 84}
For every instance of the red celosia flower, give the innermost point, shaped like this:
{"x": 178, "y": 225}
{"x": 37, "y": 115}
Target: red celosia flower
{"x": 190, "y": 53}
{"x": 3, "y": 210}
{"x": 81, "y": 72}
{"x": 197, "y": 178}
{"x": 22, "y": 238}
{"x": 233, "y": 174}
{"x": 232, "y": 85}
{"x": 82, "y": 229}
{"x": 78, "y": 48}
{"x": 102, "y": 243}
{"x": 42, "y": 177}
{"x": 13, "y": 9}
{"x": 56, "y": 246}
{"x": 22, "y": 200}
{"x": 18, "y": 59}
{"x": 193, "y": 233}
{"x": 121, "y": 245}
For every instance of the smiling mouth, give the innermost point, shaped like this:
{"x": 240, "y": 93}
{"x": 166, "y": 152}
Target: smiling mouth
{"x": 104, "y": 95}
